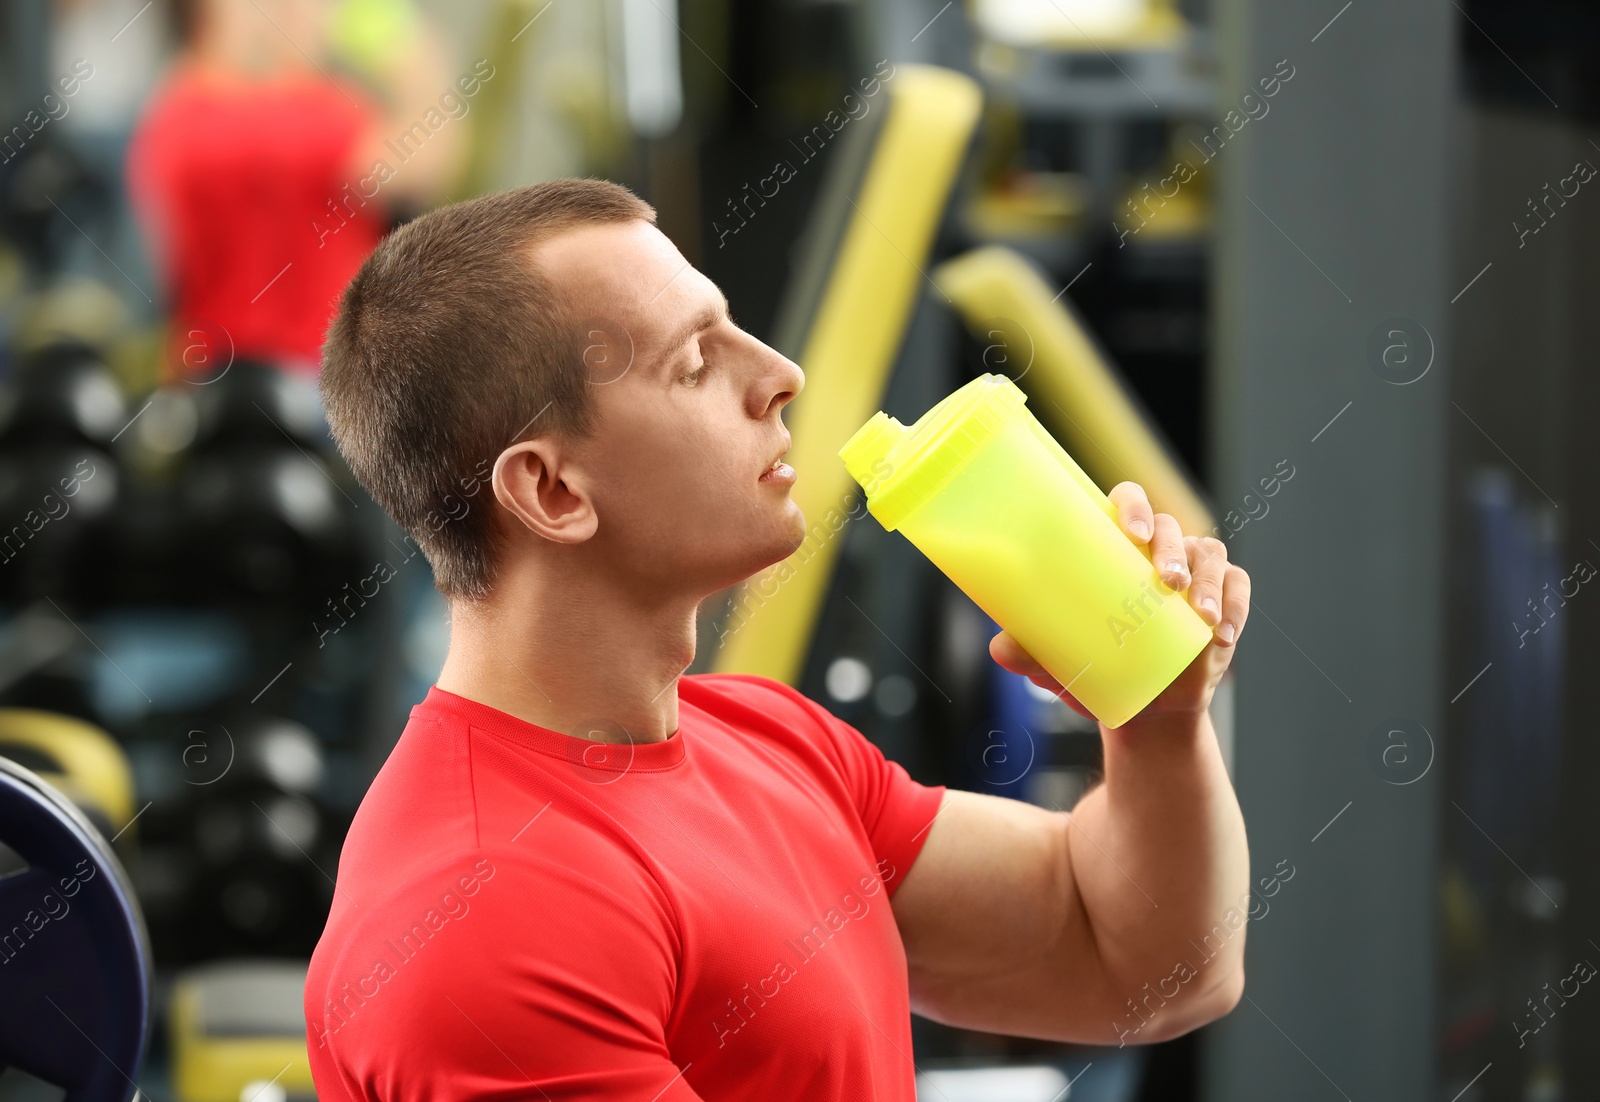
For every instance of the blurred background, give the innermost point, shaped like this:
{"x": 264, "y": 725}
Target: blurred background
{"x": 1321, "y": 277}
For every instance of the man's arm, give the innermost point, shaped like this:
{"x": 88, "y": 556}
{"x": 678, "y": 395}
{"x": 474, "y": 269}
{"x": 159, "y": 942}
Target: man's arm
{"x": 1122, "y": 921}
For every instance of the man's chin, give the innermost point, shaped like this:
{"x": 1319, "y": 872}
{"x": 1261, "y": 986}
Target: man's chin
{"x": 777, "y": 547}
{"x": 797, "y": 534}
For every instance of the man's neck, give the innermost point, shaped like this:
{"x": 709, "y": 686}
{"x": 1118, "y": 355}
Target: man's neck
{"x": 574, "y": 656}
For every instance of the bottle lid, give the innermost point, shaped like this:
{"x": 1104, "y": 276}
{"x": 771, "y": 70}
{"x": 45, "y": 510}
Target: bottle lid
{"x": 901, "y": 466}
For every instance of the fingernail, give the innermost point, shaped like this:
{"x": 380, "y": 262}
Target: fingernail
{"x": 1209, "y": 604}
{"x": 1176, "y": 567}
{"x": 1139, "y": 528}
{"x": 1227, "y": 632}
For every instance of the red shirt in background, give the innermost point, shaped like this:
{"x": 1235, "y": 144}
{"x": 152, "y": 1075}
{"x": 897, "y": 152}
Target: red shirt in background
{"x": 233, "y": 181}
{"x": 525, "y": 914}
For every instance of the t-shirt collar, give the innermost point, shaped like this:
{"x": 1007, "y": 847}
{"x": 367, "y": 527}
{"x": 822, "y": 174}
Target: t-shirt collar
{"x": 583, "y": 753}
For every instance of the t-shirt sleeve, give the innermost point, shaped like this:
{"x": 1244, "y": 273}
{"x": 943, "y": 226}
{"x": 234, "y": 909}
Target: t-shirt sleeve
{"x": 895, "y": 810}
{"x": 548, "y": 981}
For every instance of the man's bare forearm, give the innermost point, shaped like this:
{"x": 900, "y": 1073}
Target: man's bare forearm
{"x": 1159, "y": 866}
{"x": 1160, "y": 858}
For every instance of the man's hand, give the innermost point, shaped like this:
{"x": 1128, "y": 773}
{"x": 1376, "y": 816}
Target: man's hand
{"x": 1218, "y": 590}
{"x": 1041, "y": 923}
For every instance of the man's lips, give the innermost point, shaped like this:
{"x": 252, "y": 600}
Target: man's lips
{"x": 779, "y": 472}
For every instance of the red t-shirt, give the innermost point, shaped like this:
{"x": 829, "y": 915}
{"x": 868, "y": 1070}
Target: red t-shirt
{"x": 525, "y": 914}
{"x": 234, "y": 182}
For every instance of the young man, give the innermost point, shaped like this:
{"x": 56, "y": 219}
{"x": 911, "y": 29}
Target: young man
{"x": 583, "y": 875}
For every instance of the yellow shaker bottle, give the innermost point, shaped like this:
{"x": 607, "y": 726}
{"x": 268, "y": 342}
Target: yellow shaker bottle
{"x": 982, "y": 489}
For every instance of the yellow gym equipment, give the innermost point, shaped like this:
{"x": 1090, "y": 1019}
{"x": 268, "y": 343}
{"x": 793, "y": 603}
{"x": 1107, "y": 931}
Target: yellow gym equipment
{"x": 235, "y": 1023}
{"x": 81, "y": 761}
{"x": 852, "y": 336}
{"x": 1003, "y": 299}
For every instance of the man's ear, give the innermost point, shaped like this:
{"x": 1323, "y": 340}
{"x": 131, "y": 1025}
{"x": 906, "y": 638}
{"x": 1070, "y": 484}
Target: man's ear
{"x": 541, "y": 486}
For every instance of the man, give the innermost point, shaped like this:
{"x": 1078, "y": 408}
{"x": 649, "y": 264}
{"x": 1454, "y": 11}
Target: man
{"x": 582, "y": 874}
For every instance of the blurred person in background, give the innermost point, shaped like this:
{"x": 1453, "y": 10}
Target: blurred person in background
{"x": 254, "y": 165}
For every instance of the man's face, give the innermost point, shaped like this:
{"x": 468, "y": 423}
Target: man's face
{"x": 688, "y": 415}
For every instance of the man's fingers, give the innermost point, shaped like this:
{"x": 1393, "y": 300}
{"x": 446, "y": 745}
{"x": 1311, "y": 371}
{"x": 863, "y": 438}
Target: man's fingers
{"x": 1208, "y": 559}
{"x": 1168, "y": 553}
{"x": 1009, "y": 653}
{"x": 1235, "y": 604}
{"x": 1133, "y": 510}
{"x": 1160, "y": 530}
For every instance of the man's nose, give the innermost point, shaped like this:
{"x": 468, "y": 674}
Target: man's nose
{"x": 783, "y": 380}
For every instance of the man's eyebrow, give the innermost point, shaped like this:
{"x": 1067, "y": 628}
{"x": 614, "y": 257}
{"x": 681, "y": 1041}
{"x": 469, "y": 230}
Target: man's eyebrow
{"x": 703, "y": 319}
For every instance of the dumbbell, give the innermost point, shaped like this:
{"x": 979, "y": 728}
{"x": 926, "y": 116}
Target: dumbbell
{"x": 52, "y": 495}
{"x": 240, "y": 829}
{"x": 253, "y": 404}
{"x": 81, "y": 760}
{"x": 267, "y": 524}
{"x": 138, "y": 551}
{"x": 238, "y": 1032}
{"x": 61, "y": 394}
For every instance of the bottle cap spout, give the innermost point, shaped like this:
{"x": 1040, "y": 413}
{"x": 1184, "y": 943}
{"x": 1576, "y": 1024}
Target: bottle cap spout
{"x": 903, "y": 466}
{"x": 871, "y": 443}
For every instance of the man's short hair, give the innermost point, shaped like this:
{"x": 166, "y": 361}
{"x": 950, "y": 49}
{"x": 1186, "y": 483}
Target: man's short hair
{"x": 449, "y": 346}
